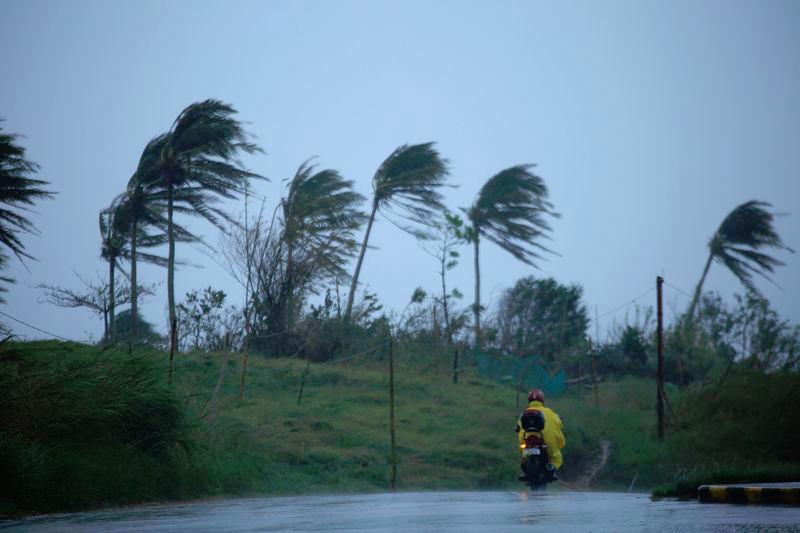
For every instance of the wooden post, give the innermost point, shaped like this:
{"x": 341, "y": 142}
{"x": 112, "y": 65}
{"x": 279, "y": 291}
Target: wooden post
{"x": 393, "y": 456}
{"x": 660, "y": 347}
{"x": 455, "y": 367}
{"x": 173, "y": 341}
{"x": 221, "y": 378}
{"x": 303, "y": 383}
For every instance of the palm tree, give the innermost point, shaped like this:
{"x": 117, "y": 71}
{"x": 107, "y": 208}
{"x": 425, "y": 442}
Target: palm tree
{"x": 117, "y": 246}
{"x": 510, "y": 211}
{"x": 406, "y": 184}
{"x": 736, "y": 244}
{"x": 17, "y": 191}
{"x": 200, "y": 152}
{"x": 143, "y": 205}
{"x": 320, "y": 217}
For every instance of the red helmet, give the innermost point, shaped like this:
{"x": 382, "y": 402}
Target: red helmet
{"x": 536, "y": 395}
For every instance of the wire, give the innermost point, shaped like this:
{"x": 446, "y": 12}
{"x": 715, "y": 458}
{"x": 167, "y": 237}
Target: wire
{"x": 679, "y": 290}
{"x": 627, "y": 303}
{"x": 361, "y": 354}
{"x": 40, "y": 330}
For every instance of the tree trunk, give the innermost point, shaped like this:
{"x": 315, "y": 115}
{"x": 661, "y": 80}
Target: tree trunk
{"x": 173, "y": 323}
{"x": 111, "y": 303}
{"x": 699, "y": 289}
{"x": 448, "y": 333}
{"x": 354, "y": 284}
{"x": 134, "y": 332}
{"x": 477, "y": 307}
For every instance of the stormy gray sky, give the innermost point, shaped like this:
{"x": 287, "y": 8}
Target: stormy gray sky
{"x": 648, "y": 120}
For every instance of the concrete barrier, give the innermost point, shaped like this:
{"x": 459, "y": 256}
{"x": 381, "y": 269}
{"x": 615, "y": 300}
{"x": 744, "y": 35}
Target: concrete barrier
{"x": 751, "y": 493}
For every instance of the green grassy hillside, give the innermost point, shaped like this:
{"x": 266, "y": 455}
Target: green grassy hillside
{"x": 82, "y": 426}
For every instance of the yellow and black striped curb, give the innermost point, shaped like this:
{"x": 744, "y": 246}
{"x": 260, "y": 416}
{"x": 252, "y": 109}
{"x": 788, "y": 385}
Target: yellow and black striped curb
{"x": 766, "y": 494}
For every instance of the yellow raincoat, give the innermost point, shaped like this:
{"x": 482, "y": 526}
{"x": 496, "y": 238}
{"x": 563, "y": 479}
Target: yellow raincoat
{"x": 551, "y": 434}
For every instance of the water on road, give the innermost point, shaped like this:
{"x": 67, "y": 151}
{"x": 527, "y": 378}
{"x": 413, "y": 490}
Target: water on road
{"x": 428, "y": 511}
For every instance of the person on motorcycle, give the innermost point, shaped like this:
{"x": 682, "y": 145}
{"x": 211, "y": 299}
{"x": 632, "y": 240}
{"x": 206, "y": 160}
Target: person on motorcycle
{"x": 551, "y": 434}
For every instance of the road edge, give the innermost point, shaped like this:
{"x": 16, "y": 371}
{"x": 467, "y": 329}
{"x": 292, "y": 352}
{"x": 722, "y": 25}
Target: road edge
{"x": 749, "y": 494}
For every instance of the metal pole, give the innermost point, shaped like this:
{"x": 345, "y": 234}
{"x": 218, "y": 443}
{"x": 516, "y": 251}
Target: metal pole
{"x": 660, "y": 346}
{"x": 393, "y": 458}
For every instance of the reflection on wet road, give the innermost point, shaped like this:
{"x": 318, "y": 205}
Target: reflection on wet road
{"x": 428, "y": 511}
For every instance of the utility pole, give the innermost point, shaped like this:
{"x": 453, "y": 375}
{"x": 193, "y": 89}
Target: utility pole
{"x": 393, "y": 457}
{"x": 594, "y": 374}
{"x": 594, "y": 357}
{"x": 660, "y": 347}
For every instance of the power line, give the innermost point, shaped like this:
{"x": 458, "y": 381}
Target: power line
{"x": 679, "y": 290}
{"x": 40, "y": 330}
{"x": 627, "y": 303}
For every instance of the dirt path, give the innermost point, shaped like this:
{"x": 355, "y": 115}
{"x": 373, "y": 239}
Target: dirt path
{"x": 585, "y": 481}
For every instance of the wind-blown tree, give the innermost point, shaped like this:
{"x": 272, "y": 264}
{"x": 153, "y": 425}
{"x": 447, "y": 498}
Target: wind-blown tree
{"x": 736, "y": 244}
{"x": 18, "y": 190}
{"x": 144, "y": 205}
{"x": 94, "y": 296}
{"x": 115, "y": 248}
{"x": 448, "y": 235}
{"x": 320, "y": 217}
{"x": 406, "y": 184}
{"x": 510, "y": 211}
{"x": 200, "y": 152}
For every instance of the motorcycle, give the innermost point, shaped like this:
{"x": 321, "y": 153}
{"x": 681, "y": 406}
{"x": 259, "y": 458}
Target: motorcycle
{"x": 534, "y": 451}
{"x": 534, "y": 461}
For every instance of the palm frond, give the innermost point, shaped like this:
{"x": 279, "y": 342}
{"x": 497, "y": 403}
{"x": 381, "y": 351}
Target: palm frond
{"x": 746, "y": 230}
{"x": 408, "y": 182}
{"x": 18, "y": 190}
{"x": 511, "y": 209}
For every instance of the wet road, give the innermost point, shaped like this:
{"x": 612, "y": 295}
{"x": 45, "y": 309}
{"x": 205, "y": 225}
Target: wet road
{"x": 428, "y": 511}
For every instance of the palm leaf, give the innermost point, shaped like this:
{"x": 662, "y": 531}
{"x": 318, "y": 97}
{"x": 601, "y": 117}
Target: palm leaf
{"x": 510, "y": 211}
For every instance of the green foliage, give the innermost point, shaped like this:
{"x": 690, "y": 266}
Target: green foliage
{"x": 82, "y": 427}
{"x": 510, "y": 211}
{"x": 737, "y": 244}
{"x": 541, "y": 317}
{"x": 745, "y": 230}
{"x": 741, "y": 431}
{"x": 18, "y": 190}
{"x": 204, "y": 323}
{"x": 147, "y": 332}
{"x": 408, "y": 183}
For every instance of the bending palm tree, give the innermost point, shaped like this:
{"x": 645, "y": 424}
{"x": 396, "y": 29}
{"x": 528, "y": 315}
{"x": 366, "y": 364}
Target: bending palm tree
{"x": 407, "y": 182}
{"x": 17, "y": 190}
{"x": 320, "y": 217}
{"x": 510, "y": 211}
{"x": 201, "y": 152}
{"x": 143, "y": 205}
{"x": 117, "y": 245}
{"x": 745, "y": 230}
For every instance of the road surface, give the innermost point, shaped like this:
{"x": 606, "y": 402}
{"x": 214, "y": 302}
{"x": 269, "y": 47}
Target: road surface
{"x": 428, "y": 511}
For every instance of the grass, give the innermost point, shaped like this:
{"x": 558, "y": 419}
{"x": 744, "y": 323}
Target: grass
{"x": 82, "y": 427}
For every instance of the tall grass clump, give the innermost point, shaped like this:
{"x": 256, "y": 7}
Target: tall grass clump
{"x": 84, "y": 426}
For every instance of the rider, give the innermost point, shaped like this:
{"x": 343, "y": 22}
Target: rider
{"x": 551, "y": 434}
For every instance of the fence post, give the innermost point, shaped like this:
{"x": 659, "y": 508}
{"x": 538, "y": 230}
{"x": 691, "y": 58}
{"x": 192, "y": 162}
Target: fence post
{"x": 455, "y": 367}
{"x": 393, "y": 457}
{"x": 303, "y": 383}
{"x": 221, "y": 378}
